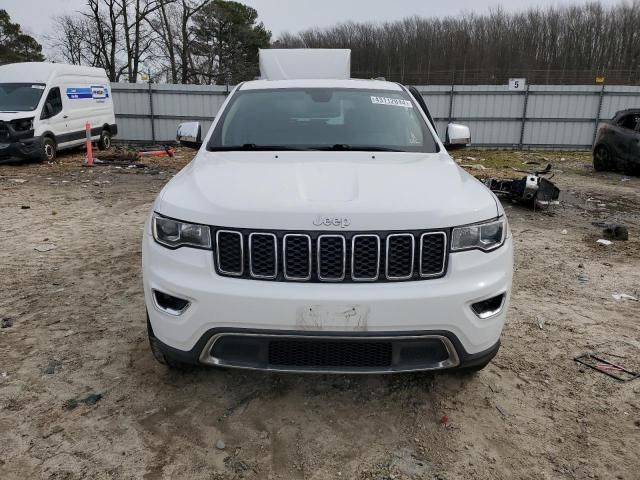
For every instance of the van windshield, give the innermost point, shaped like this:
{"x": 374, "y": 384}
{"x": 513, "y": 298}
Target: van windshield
{"x": 20, "y": 97}
{"x": 322, "y": 119}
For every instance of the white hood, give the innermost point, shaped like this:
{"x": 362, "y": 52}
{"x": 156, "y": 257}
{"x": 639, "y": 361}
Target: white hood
{"x": 8, "y": 116}
{"x": 289, "y": 190}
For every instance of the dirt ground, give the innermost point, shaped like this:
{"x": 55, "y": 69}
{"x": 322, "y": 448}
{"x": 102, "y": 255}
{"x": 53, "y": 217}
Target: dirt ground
{"x": 74, "y": 325}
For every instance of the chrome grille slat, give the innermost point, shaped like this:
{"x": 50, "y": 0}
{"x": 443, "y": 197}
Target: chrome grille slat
{"x": 222, "y": 238}
{"x": 285, "y": 261}
{"x": 390, "y": 262}
{"x": 354, "y": 254}
{"x": 262, "y": 256}
{"x": 315, "y": 256}
{"x": 422, "y": 260}
{"x": 327, "y": 262}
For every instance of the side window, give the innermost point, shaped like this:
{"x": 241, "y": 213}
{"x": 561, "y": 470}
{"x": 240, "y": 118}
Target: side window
{"x": 630, "y": 122}
{"x": 53, "y": 104}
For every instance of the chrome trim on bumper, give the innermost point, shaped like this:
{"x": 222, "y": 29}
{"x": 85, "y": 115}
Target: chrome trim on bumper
{"x": 451, "y": 362}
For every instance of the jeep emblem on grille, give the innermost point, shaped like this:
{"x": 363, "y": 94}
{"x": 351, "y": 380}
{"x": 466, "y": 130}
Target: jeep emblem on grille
{"x": 321, "y": 221}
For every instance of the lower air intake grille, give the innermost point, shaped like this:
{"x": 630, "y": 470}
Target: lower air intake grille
{"x": 327, "y": 354}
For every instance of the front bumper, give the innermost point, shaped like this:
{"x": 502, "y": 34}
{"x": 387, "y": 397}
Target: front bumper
{"x": 220, "y": 305}
{"x": 355, "y": 354}
{"x": 29, "y": 149}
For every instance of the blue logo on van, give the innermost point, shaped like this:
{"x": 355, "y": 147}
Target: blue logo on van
{"x": 96, "y": 92}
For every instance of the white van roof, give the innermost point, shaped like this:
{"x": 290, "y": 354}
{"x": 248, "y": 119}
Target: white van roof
{"x": 43, "y": 72}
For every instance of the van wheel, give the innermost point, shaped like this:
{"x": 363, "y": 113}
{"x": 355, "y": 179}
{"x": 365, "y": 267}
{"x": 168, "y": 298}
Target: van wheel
{"x": 105, "y": 140}
{"x": 49, "y": 150}
{"x": 601, "y": 159}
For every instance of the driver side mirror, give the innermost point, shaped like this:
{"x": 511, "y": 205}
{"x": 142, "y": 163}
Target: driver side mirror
{"x": 457, "y": 136}
{"x": 190, "y": 135}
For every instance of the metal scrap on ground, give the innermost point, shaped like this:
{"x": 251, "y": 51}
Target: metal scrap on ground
{"x": 533, "y": 189}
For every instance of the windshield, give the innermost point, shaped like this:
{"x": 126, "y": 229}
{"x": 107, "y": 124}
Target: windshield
{"x": 19, "y": 97}
{"x": 322, "y": 119}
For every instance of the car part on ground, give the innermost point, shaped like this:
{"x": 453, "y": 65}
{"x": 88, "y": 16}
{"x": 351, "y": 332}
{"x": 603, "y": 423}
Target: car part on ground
{"x": 531, "y": 190}
{"x": 610, "y": 369}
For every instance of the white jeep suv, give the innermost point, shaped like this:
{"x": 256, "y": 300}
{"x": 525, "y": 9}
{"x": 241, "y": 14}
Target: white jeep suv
{"x": 323, "y": 227}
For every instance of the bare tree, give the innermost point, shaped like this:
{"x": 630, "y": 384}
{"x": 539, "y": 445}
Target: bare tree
{"x": 551, "y": 45}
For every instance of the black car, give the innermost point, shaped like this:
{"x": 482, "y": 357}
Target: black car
{"x": 617, "y": 145}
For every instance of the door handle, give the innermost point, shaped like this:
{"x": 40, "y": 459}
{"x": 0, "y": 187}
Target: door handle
{"x": 66, "y": 116}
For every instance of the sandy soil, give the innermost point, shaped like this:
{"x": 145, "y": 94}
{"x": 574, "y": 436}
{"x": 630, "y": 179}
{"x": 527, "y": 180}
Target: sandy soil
{"x": 78, "y": 327}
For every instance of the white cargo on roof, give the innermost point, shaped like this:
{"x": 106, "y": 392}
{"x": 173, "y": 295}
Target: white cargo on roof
{"x": 300, "y": 63}
{"x": 327, "y": 83}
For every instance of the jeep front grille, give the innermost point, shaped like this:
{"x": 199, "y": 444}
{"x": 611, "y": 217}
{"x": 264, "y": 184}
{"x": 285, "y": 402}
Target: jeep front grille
{"x": 330, "y": 257}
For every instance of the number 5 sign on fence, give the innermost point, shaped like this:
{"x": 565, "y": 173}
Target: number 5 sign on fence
{"x": 517, "y": 84}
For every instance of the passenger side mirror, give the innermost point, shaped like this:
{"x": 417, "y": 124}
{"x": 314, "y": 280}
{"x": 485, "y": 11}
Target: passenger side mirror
{"x": 457, "y": 136}
{"x": 190, "y": 135}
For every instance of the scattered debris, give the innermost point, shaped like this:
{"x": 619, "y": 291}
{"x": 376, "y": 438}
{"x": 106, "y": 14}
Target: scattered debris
{"x": 604, "y": 242}
{"x": 6, "y": 323}
{"x": 220, "y": 445}
{"x": 623, "y": 296}
{"x": 25, "y": 207}
{"x": 531, "y": 190}
{"x": 444, "y": 419}
{"x": 616, "y": 232}
{"x": 603, "y": 366}
{"x": 475, "y": 166}
{"x": 17, "y": 180}
{"x": 89, "y": 399}
{"x": 46, "y": 247}
{"x": 531, "y": 162}
{"x": 156, "y": 151}
{"x": 50, "y": 369}
{"x": 582, "y": 278}
{"x": 564, "y": 232}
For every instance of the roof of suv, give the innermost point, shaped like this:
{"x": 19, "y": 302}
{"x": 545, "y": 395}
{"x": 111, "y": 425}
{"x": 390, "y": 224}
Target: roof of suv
{"x": 330, "y": 83}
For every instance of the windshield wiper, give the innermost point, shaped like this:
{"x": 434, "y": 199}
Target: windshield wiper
{"x": 359, "y": 148}
{"x": 257, "y": 148}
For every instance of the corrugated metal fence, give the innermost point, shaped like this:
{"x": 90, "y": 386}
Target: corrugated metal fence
{"x": 543, "y": 116}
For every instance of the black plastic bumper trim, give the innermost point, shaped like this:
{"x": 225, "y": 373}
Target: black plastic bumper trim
{"x": 467, "y": 360}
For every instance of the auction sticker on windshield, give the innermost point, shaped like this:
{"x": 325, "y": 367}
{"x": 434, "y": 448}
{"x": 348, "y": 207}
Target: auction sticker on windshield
{"x": 396, "y": 102}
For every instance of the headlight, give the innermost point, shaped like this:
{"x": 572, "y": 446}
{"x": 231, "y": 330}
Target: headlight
{"x": 22, "y": 124}
{"x": 174, "y": 233}
{"x": 484, "y": 236}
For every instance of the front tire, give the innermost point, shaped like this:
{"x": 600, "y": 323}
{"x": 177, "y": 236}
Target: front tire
{"x": 602, "y": 159}
{"x": 49, "y": 150}
{"x": 105, "y": 140}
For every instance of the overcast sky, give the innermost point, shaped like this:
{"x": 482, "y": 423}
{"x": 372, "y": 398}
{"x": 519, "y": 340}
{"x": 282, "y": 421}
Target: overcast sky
{"x": 294, "y": 15}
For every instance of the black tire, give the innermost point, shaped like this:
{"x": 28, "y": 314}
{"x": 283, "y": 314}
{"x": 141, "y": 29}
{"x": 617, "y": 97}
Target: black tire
{"x": 49, "y": 150}
{"x": 160, "y": 355}
{"x": 602, "y": 160}
{"x": 105, "y": 140}
{"x": 631, "y": 169}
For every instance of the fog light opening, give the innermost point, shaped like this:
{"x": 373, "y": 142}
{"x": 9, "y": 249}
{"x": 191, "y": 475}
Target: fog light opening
{"x": 489, "y": 307}
{"x": 170, "y": 304}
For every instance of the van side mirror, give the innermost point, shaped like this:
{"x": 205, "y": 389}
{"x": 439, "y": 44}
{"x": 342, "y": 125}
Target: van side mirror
{"x": 190, "y": 135}
{"x": 457, "y": 136}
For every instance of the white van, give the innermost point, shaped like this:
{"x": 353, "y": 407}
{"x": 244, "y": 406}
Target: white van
{"x": 44, "y": 107}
